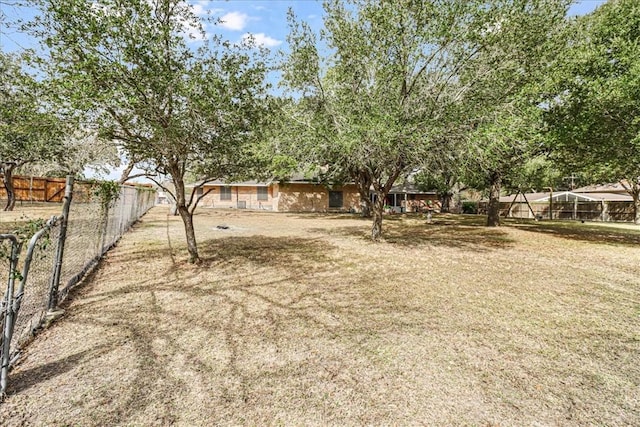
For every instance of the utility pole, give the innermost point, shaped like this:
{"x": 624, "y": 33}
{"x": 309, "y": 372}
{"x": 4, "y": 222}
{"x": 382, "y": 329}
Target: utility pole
{"x": 572, "y": 178}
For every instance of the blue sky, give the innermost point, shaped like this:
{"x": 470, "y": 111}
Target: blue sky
{"x": 265, "y": 19}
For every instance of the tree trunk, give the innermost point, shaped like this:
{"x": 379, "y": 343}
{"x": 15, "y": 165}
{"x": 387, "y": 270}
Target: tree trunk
{"x": 126, "y": 172}
{"x": 186, "y": 215}
{"x": 364, "y": 186}
{"x": 8, "y": 186}
{"x": 445, "y": 201}
{"x": 192, "y": 247}
{"x": 365, "y": 200}
{"x": 636, "y": 207}
{"x": 633, "y": 188}
{"x": 381, "y": 190}
{"x": 365, "y": 206}
{"x": 378, "y": 210}
{"x": 493, "y": 210}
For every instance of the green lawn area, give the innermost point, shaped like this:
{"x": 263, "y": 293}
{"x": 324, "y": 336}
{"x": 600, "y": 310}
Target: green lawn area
{"x": 300, "y": 320}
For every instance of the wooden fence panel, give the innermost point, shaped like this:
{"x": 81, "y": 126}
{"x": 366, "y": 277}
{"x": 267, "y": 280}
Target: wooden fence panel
{"x": 36, "y": 189}
{"x": 54, "y": 190}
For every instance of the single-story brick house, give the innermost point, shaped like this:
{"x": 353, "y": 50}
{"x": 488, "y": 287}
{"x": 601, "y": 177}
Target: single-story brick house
{"x": 295, "y": 195}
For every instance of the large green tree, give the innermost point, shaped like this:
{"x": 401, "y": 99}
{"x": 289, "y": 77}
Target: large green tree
{"x": 594, "y": 113}
{"x": 522, "y": 41}
{"x": 133, "y": 69}
{"x": 30, "y": 131}
{"x": 375, "y": 90}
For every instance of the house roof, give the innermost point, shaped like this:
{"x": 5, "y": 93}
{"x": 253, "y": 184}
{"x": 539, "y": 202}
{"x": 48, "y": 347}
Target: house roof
{"x": 531, "y": 197}
{"x": 296, "y": 178}
{"x": 219, "y": 182}
{"x": 408, "y": 188}
{"x": 609, "y": 197}
{"x": 614, "y": 187}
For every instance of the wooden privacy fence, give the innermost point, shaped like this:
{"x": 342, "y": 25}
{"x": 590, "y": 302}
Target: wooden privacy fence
{"x": 576, "y": 210}
{"x": 36, "y": 189}
{"x": 40, "y": 189}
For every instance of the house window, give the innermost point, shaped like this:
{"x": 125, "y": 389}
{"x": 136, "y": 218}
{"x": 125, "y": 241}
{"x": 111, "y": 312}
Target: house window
{"x": 225, "y": 193}
{"x": 263, "y": 193}
{"x": 335, "y": 199}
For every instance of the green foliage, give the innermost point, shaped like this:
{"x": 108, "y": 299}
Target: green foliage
{"x": 129, "y": 70}
{"x": 469, "y": 207}
{"x": 536, "y": 174}
{"x": 521, "y": 41}
{"x": 107, "y": 192}
{"x": 30, "y": 131}
{"x": 524, "y": 40}
{"x": 380, "y": 102}
{"x": 30, "y": 227}
{"x": 594, "y": 106}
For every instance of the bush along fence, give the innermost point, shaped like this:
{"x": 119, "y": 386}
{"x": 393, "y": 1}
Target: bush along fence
{"x": 60, "y": 252}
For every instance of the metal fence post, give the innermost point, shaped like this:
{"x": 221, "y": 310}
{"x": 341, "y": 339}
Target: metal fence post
{"x": 57, "y": 269}
{"x": 7, "y": 332}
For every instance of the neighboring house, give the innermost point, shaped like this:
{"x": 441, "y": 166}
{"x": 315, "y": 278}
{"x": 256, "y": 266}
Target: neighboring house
{"x": 605, "y": 191}
{"x": 294, "y": 195}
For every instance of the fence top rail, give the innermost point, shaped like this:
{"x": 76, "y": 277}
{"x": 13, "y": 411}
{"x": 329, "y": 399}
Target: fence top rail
{"x": 8, "y": 236}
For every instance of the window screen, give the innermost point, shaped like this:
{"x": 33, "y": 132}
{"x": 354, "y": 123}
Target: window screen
{"x": 335, "y": 199}
{"x": 225, "y": 193}
{"x": 263, "y": 193}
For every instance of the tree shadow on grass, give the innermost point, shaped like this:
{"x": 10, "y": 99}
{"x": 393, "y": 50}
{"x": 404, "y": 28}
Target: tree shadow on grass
{"x": 583, "y": 232}
{"x": 438, "y": 233}
{"x": 300, "y": 314}
{"x": 25, "y": 379}
{"x": 291, "y": 253}
{"x": 454, "y": 236}
{"x": 329, "y": 215}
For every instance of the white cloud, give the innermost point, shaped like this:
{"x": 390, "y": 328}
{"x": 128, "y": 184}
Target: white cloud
{"x": 234, "y": 21}
{"x": 200, "y": 8}
{"x": 260, "y": 39}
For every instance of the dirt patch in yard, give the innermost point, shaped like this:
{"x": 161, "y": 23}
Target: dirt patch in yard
{"x": 299, "y": 320}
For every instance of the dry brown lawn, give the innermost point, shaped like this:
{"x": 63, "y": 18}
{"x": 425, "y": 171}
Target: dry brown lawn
{"x": 299, "y": 320}
{"x": 26, "y": 211}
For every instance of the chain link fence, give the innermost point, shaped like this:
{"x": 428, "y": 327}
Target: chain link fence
{"x": 58, "y": 255}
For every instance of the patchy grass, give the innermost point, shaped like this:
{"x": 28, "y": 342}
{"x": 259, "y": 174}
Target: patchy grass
{"x": 612, "y": 233}
{"x": 25, "y": 212}
{"x": 299, "y": 320}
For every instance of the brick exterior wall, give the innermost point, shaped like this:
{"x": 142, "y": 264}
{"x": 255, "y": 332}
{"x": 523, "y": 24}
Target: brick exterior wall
{"x": 283, "y": 197}
{"x": 241, "y": 197}
{"x": 315, "y": 198}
